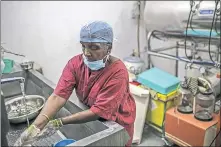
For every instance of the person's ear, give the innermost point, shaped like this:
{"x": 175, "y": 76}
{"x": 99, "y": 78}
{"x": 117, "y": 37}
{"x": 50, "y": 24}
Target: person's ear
{"x": 108, "y": 51}
{"x": 109, "y": 46}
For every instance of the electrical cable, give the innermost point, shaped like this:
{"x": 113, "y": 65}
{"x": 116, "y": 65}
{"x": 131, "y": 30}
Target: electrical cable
{"x": 217, "y": 16}
{"x": 216, "y": 4}
{"x": 191, "y": 8}
{"x": 191, "y": 23}
{"x": 214, "y": 139}
{"x": 196, "y": 8}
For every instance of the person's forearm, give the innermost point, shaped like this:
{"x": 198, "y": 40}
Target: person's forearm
{"x": 51, "y": 107}
{"x": 80, "y": 117}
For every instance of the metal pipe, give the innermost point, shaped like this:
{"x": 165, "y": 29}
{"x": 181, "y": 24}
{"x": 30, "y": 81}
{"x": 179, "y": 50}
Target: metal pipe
{"x": 138, "y": 30}
{"x": 9, "y": 52}
{"x": 201, "y": 50}
{"x": 148, "y": 48}
{"x": 192, "y": 66}
{"x": 8, "y": 80}
{"x": 179, "y": 59}
{"x": 217, "y": 55}
{"x": 14, "y": 53}
{"x": 177, "y": 54}
{"x": 162, "y": 55}
{"x": 164, "y": 48}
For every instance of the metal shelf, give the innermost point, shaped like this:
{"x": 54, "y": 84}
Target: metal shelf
{"x": 179, "y": 35}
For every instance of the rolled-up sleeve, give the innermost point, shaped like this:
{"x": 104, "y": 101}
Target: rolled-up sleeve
{"x": 109, "y": 98}
{"x": 67, "y": 81}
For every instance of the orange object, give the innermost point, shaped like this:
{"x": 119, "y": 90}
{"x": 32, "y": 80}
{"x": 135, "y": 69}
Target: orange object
{"x": 185, "y": 130}
{"x": 218, "y": 141}
{"x": 218, "y": 75}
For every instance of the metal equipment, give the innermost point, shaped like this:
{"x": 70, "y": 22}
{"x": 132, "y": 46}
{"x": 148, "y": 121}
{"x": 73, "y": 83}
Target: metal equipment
{"x": 18, "y": 112}
{"x": 27, "y": 65}
{"x": 186, "y": 101}
{"x": 204, "y": 106}
{"x": 192, "y": 25}
{"x": 134, "y": 64}
{"x": 173, "y": 15}
{"x": 3, "y": 50}
{"x": 204, "y": 101}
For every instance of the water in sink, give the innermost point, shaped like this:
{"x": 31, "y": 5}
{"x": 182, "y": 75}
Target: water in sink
{"x": 14, "y": 135}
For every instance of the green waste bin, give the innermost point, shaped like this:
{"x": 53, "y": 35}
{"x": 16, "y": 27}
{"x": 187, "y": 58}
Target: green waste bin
{"x": 8, "y": 65}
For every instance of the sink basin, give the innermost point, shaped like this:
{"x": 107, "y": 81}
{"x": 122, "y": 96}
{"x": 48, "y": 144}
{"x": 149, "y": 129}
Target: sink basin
{"x": 79, "y": 131}
{"x": 19, "y": 110}
{"x": 94, "y": 133}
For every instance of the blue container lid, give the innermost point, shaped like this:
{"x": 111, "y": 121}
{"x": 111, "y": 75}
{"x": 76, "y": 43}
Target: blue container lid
{"x": 64, "y": 142}
{"x": 158, "y": 80}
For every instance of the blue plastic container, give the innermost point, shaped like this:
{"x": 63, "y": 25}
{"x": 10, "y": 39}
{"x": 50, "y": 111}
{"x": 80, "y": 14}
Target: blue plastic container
{"x": 158, "y": 80}
{"x": 64, "y": 142}
{"x": 8, "y": 65}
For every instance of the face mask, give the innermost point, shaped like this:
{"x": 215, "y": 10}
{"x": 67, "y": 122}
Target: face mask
{"x": 95, "y": 65}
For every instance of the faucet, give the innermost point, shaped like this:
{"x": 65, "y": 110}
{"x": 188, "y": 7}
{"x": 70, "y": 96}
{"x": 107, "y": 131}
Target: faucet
{"x": 22, "y": 83}
{"x": 8, "y": 80}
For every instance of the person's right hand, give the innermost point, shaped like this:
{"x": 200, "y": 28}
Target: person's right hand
{"x": 51, "y": 127}
{"x": 28, "y": 136}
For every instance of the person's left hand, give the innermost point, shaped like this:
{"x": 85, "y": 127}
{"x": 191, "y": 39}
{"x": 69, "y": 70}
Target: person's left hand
{"x": 51, "y": 128}
{"x": 28, "y": 136}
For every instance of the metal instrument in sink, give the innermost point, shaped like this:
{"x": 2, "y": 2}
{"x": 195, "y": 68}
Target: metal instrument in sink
{"x": 19, "y": 112}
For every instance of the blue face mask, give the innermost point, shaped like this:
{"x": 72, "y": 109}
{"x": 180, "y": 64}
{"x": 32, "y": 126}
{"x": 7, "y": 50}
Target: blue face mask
{"x": 95, "y": 65}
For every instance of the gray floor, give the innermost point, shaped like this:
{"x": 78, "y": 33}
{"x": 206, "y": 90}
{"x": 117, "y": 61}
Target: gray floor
{"x": 151, "y": 137}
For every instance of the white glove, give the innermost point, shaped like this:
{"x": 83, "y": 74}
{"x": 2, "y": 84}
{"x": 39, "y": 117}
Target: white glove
{"x": 52, "y": 127}
{"x": 28, "y": 136}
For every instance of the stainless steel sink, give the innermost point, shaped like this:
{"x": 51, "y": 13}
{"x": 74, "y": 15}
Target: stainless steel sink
{"x": 95, "y": 133}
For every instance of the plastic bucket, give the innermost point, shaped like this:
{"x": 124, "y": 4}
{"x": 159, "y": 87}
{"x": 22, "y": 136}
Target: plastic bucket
{"x": 8, "y": 65}
{"x": 64, "y": 142}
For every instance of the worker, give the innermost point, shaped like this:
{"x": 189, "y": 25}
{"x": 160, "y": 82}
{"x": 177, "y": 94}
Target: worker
{"x": 100, "y": 81}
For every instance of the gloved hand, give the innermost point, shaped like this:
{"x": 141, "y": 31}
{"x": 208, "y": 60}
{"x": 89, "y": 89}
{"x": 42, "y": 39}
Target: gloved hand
{"x": 28, "y": 136}
{"x": 51, "y": 128}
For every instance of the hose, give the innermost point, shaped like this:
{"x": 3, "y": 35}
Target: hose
{"x": 191, "y": 9}
{"x": 216, "y": 4}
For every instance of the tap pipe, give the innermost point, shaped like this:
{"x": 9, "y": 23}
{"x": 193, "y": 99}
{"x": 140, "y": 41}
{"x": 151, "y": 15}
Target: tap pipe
{"x": 138, "y": 29}
{"x": 8, "y": 80}
{"x": 149, "y": 34}
{"x": 14, "y": 53}
{"x": 9, "y": 52}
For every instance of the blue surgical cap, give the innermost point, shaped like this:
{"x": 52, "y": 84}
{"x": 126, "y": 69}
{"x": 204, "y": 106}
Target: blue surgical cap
{"x": 96, "y": 31}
